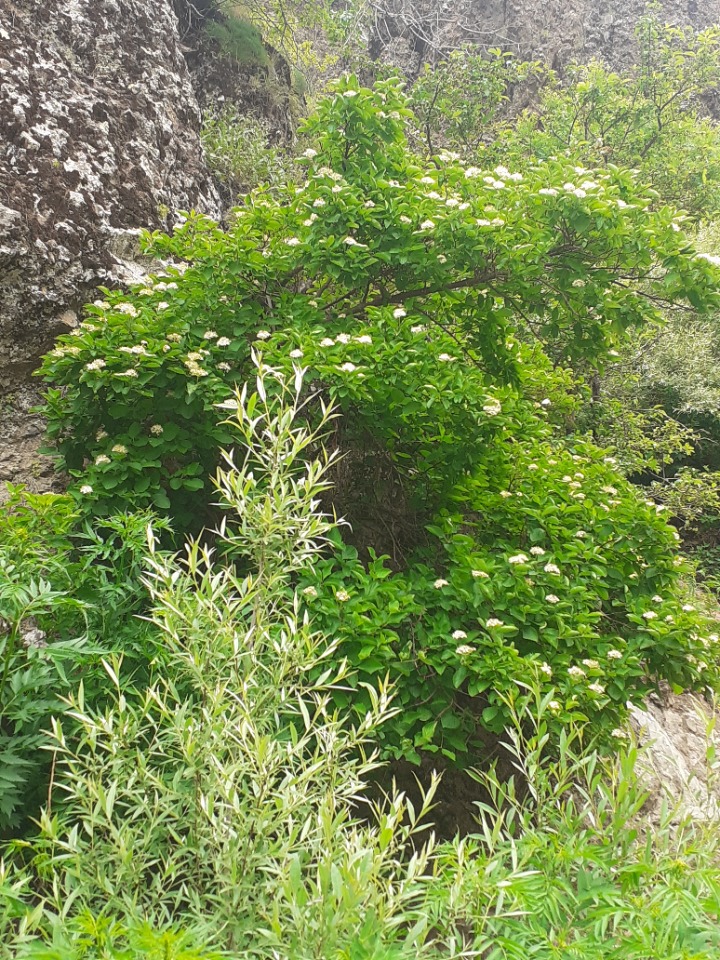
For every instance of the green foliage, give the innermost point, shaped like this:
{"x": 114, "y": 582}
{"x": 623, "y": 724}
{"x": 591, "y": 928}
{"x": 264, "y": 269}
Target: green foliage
{"x": 64, "y": 597}
{"x": 647, "y": 118}
{"x": 239, "y": 153}
{"x": 457, "y": 102}
{"x": 100, "y": 938}
{"x": 373, "y": 233}
{"x": 411, "y": 293}
{"x": 643, "y": 439}
{"x": 550, "y": 573}
{"x": 240, "y": 40}
{"x": 222, "y": 795}
{"x": 565, "y": 866}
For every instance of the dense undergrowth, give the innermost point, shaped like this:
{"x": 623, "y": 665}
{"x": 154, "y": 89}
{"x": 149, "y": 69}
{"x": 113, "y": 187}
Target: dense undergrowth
{"x": 362, "y": 477}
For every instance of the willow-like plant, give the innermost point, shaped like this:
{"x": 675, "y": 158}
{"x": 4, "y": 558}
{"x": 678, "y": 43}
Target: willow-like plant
{"x": 224, "y": 793}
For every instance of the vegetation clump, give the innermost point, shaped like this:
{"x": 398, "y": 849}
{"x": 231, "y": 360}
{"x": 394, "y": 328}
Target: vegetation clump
{"x": 349, "y": 485}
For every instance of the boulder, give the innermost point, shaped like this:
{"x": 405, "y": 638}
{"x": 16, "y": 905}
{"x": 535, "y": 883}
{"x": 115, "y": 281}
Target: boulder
{"x": 100, "y": 138}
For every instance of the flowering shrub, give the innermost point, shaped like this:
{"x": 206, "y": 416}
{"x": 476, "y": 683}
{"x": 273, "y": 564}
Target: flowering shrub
{"x": 423, "y": 298}
{"x": 542, "y": 572}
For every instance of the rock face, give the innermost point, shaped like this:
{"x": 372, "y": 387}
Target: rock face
{"x": 676, "y": 767}
{"x": 100, "y": 137}
{"x": 556, "y": 31}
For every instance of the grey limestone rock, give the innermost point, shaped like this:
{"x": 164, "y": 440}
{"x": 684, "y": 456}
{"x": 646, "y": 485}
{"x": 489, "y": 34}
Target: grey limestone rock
{"x": 99, "y": 136}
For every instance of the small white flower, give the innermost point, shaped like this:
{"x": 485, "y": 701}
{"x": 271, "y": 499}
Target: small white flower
{"x": 427, "y": 180}
{"x": 127, "y": 373}
{"x": 554, "y": 706}
{"x": 223, "y": 341}
{"x": 446, "y": 358}
{"x": 596, "y": 688}
{"x": 576, "y": 672}
{"x": 669, "y": 618}
{"x": 472, "y": 172}
{"x": 225, "y": 367}
{"x": 649, "y": 615}
{"x": 310, "y": 592}
{"x": 518, "y": 558}
{"x": 505, "y": 494}
{"x": 551, "y": 568}
{"x": 292, "y": 241}
{"x": 163, "y": 305}
{"x": 327, "y": 342}
{"x": 614, "y": 655}
{"x": 127, "y": 308}
{"x": 101, "y": 460}
{"x": 342, "y": 338}
{"x": 405, "y": 219}
{"x": 657, "y": 599}
{"x": 493, "y": 622}
{"x": 418, "y": 328}
{"x": 352, "y": 242}
{"x": 581, "y": 534}
{"x": 369, "y": 205}
{"x": 119, "y": 448}
{"x": 348, "y": 367}
{"x": 95, "y": 364}
{"x": 537, "y": 551}
{"x": 262, "y": 335}
{"x": 319, "y": 202}
{"x": 427, "y": 225}
{"x": 365, "y": 338}
{"x": 452, "y": 202}
{"x": 210, "y": 335}
{"x": 86, "y": 488}
{"x": 464, "y": 649}
{"x": 310, "y": 153}
{"x": 546, "y": 403}
{"x": 459, "y": 635}
{"x": 569, "y": 187}
{"x": 342, "y": 596}
{"x": 688, "y": 607}
{"x": 619, "y": 734}
{"x": 156, "y": 430}
{"x": 480, "y": 575}
{"x": 296, "y": 354}
{"x": 399, "y": 313}
{"x": 591, "y": 664}
{"x": 551, "y": 598}
{"x": 441, "y": 258}
{"x": 492, "y": 408}
{"x": 440, "y": 583}
{"x": 546, "y": 669}
{"x": 580, "y": 193}
{"x": 548, "y": 192}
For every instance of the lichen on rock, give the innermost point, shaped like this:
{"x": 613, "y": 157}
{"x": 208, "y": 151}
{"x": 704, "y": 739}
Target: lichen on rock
{"x": 100, "y": 138}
